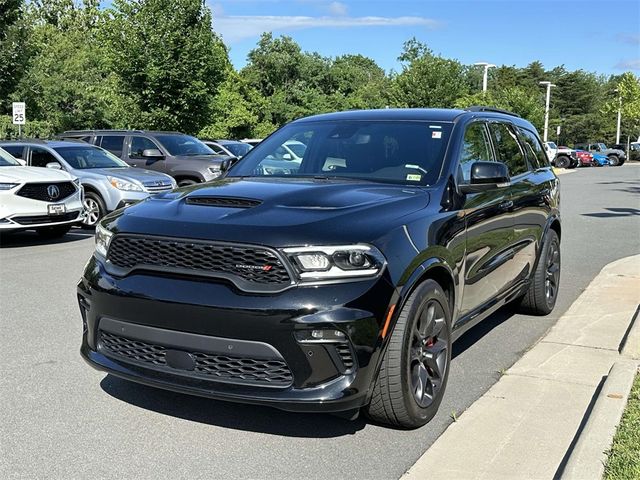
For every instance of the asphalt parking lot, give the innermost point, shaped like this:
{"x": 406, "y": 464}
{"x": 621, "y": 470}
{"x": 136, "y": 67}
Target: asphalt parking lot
{"x": 61, "y": 419}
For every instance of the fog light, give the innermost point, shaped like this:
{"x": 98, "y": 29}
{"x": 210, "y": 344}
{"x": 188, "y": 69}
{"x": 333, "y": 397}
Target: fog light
{"x": 320, "y": 336}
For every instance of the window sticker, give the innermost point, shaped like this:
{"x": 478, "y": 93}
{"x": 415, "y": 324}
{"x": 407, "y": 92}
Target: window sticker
{"x": 414, "y": 177}
{"x": 436, "y": 134}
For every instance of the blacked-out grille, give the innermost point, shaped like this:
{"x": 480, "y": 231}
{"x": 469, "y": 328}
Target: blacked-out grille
{"x": 41, "y": 191}
{"x": 228, "y": 202}
{"x": 39, "y": 219}
{"x": 228, "y": 368}
{"x": 251, "y": 264}
{"x": 345, "y": 355}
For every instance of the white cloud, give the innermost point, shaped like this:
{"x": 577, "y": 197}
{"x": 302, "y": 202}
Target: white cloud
{"x": 630, "y": 38}
{"x": 217, "y": 10}
{"x": 238, "y": 27}
{"x": 337, "y": 9}
{"x": 632, "y": 64}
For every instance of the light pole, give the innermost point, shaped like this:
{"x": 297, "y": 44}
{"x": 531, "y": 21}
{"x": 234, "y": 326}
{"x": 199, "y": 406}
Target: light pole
{"x": 619, "y": 115}
{"x": 546, "y": 109}
{"x": 486, "y": 66}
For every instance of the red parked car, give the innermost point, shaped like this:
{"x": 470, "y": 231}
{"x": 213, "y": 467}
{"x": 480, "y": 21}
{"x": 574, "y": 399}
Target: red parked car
{"x": 585, "y": 159}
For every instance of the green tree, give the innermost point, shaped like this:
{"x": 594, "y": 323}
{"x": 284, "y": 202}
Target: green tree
{"x": 165, "y": 61}
{"x": 427, "y": 80}
{"x": 13, "y": 51}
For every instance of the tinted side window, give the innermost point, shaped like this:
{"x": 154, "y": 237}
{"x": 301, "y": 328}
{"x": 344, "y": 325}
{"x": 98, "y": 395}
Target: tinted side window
{"x": 113, "y": 143}
{"x": 216, "y": 148}
{"x": 507, "y": 148}
{"x": 475, "y": 148}
{"x": 533, "y": 149}
{"x": 15, "y": 150}
{"x": 139, "y": 145}
{"x": 40, "y": 157}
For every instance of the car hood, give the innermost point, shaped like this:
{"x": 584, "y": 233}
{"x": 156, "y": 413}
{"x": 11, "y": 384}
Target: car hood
{"x": 19, "y": 174}
{"x": 281, "y": 212}
{"x": 130, "y": 173}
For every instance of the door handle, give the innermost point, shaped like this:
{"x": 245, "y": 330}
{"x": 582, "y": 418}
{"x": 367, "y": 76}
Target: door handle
{"x": 506, "y": 205}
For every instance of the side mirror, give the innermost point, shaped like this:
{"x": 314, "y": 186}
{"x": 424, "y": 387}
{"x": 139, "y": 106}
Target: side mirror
{"x": 152, "y": 153}
{"x": 54, "y": 166}
{"x": 486, "y": 176}
{"x": 227, "y": 163}
{"x": 22, "y": 162}
{"x": 287, "y": 156}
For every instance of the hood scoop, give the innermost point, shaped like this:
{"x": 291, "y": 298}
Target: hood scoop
{"x": 225, "y": 202}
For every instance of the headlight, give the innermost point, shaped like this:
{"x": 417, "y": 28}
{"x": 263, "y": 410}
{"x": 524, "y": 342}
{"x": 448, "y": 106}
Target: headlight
{"x": 103, "y": 239}
{"x": 8, "y": 186}
{"x": 124, "y": 185}
{"x": 335, "y": 263}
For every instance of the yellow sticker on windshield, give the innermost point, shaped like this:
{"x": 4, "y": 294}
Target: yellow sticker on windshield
{"x": 414, "y": 177}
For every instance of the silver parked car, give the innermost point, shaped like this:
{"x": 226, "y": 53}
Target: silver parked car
{"x": 109, "y": 183}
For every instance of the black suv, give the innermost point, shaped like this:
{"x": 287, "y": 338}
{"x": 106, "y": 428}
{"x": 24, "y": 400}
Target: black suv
{"x": 185, "y": 158}
{"x": 335, "y": 282}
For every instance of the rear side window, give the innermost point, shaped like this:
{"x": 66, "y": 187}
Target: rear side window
{"x": 475, "y": 148}
{"x": 40, "y": 157}
{"x": 16, "y": 150}
{"x": 507, "y": 148}
{"x": 113, "y": 143}
{"x": 533, "y": 149}
{"x": 139, "y": 145}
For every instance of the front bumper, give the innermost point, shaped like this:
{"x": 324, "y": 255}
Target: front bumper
{"x": 152, "y": 316}
{"x": 18, "y": 213}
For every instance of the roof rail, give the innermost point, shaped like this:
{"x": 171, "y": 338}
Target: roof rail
{"x": 483, "y": 108}
{"x": 100, "y": 130}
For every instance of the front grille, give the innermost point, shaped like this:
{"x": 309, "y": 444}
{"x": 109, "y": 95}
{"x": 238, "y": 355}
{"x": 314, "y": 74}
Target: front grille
{"x": 41, "y": 191}
{"x": 345, "y": 355}
{"x": 255, "y": 265}
{"x": 227, "y": 368}
{"x": 36, "y": 219}
{"x": 227, "y": 202}
{"x": 155, "y": 187}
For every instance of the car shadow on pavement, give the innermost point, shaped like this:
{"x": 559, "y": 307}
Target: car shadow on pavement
{"x": 614, "y": 212}
{"x": 254, "y": 418}
{"x": 470, "y": 337}
{"x": 31, "y": 239}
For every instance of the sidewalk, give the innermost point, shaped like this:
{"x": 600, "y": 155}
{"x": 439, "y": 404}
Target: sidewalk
{"x": 527, "y": 424}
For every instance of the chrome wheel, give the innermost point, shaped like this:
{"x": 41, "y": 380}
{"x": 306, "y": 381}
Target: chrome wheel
{"x": 428, "y": 361}
{"x": 91, "y": 212}
{"x": 552, "y": 276}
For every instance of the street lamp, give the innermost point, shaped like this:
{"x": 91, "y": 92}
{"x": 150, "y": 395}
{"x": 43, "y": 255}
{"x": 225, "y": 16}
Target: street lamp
{"x": 486, "y": 66}
{"x": 546, "y": 109}
{"x": 619, "y": 115}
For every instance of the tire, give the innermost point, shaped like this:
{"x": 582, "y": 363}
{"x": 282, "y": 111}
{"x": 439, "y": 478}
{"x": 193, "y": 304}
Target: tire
{"x": 54, "y": 232}
{"x": 94, "y": 210}
{"x": 614, "y": 160}
{"x": 563, "y": 161}
{"x": 186, "y": 182}
{"x": 542, "y": 294}
{"x": 418, "y": 354}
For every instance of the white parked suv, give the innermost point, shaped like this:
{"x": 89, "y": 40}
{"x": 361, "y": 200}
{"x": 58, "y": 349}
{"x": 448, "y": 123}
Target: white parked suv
{"x": 42, "y": 199}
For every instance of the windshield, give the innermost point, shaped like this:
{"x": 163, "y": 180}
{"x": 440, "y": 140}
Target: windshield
{"x": 238, "y": 149}
{"x": 7, "y": 160}
{"x": 383, "y": 151}
{"x": 601, "y": 146}
{"x": 552, "y": 145}
{"x": 89, "y": 157}
{"x": 183, "y": 145}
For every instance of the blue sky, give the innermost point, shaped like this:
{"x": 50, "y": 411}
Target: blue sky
{"x": 600, "y": 36}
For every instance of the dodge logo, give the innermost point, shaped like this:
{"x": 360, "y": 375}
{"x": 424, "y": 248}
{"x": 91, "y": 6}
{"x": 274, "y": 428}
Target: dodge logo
{"x": 53, "y": 191}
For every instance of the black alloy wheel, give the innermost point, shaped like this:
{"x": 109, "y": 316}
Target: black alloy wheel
{"x": 428, "y": 356}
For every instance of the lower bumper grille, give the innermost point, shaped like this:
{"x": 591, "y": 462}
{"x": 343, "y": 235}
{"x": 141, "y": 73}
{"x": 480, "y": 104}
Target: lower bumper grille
{"x": 39, "y": 219}
{"x": 210, "y": 366}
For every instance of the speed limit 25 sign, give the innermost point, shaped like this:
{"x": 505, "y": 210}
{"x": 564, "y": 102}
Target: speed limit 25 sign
{"x": 19, "y": 115}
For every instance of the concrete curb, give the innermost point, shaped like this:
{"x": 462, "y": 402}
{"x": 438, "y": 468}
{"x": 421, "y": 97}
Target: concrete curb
{"x": 588, "y": 457}
{"x": 631, "y": 343}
